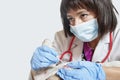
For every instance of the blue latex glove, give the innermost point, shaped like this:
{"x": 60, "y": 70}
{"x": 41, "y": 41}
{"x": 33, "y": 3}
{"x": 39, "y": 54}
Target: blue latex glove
{"x": 82, "y": 70}
{"x": 43, "y": 57}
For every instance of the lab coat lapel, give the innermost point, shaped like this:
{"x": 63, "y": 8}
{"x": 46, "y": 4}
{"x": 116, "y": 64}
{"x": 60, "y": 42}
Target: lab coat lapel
{"x": 77, "y": 49}
{"x": 101, "y": 49}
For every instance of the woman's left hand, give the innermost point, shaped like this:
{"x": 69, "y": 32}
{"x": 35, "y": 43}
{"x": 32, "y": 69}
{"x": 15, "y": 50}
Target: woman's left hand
{"x": 82, "y": 70}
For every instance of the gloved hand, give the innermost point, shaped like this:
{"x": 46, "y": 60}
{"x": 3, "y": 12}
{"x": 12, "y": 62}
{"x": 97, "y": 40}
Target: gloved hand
{"x": 82, "y": 70}
{"x": 43, "y": 57}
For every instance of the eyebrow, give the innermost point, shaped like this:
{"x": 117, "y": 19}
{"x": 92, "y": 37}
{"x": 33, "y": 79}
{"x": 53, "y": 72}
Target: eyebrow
{"x": 68, "y": 16}
{"x": 79, "y": 12}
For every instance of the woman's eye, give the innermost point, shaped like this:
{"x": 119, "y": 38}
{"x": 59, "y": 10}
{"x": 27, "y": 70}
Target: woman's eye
{"x": 70, "y": 19}
{"x": 83, "y": 16}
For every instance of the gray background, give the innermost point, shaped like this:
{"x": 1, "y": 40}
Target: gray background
{"x": 24, "y": 24}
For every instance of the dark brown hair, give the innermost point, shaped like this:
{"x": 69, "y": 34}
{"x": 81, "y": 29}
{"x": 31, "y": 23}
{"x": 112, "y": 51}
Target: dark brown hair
{"x": 104, "y": 9}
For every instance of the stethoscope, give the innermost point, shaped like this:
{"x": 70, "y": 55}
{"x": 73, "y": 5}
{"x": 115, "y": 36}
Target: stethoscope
{"x": 71, "y": 55}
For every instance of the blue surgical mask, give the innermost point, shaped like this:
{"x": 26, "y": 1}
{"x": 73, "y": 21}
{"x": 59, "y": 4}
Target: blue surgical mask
{"x": 86, "y": 31}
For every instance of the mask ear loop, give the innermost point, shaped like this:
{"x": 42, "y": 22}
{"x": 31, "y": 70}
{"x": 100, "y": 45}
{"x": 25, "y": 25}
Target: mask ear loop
{"x": 68, "y": 51}
{"x": 110, "y": 48}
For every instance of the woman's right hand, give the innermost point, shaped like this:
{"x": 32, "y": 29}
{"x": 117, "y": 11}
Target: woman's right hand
{"x": 43, "y": 57}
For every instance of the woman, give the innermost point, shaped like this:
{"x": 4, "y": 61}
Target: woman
{"x": 91, "y": 36}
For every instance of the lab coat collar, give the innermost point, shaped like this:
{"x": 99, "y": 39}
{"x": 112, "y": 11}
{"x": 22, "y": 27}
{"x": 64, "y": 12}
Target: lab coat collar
{"x": 101, "y": 48}
{"x": 106, "y": 38}
{"x": 77, "y": 41}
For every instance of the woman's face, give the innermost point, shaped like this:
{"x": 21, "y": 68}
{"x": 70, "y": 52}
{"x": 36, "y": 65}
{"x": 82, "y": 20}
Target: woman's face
{"x": 79, "y": 16}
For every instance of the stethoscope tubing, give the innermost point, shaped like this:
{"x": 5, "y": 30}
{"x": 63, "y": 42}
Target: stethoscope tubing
{"x": 69, "y": 50}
